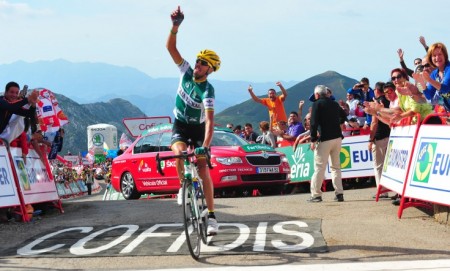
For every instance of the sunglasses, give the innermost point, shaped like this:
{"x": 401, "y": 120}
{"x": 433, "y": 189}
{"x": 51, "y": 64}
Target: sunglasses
{"x": 426, "y": 65}
{"x": 202, "y": 62}
{"x": 393, "y": 78}
{"x": 388, "y": 91}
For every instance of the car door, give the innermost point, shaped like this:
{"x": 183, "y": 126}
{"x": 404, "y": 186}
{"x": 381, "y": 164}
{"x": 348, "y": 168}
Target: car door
{"x": 143, "y": 161}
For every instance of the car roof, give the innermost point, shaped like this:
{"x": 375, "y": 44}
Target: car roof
{"x": 168, "y": 127}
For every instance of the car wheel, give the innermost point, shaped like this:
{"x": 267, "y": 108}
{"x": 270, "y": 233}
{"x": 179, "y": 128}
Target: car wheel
{"x": 128, "y": 187}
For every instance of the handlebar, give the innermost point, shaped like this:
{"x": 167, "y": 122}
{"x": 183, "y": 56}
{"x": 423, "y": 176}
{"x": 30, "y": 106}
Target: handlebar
{"x": 184, "y": 155}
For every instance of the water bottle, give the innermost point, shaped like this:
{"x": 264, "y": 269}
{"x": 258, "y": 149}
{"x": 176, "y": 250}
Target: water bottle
{"x": 195, "y": 183}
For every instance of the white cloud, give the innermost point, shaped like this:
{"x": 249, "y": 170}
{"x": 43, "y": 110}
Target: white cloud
{"x": 10, "y": 10}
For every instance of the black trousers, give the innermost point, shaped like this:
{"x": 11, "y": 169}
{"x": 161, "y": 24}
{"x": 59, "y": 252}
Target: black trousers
{"x": 89, "y": 187}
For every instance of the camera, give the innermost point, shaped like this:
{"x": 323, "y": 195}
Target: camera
{"x": 419, "y": 68}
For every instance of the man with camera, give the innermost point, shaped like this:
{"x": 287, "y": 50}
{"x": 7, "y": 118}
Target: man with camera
{"x": 363, "y": 93}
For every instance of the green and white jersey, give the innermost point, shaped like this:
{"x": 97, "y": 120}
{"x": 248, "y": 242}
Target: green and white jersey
{"x": 193, "y": 98}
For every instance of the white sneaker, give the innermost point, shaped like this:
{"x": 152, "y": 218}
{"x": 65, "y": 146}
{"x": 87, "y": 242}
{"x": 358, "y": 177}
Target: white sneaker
{"x": 180, "y": 197}
{"x": 213, "y": 228}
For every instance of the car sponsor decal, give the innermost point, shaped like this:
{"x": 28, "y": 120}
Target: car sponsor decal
{"x": 257, "y": 147}
{"x": 158, "y": 128}
{"x": 155, "y": 183}
{"x": 143, "y": 167}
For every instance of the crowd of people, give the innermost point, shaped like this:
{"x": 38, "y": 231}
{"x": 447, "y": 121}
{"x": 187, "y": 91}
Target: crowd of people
{"x": 63, "y": 173}
{"x": 365, "y": 111}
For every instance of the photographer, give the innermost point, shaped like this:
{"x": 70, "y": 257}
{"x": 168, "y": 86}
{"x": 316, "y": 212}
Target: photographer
{"x": 363, "y": 93}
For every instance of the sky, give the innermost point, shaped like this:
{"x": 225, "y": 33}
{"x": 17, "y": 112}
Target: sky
{"x": 257, "y": 40}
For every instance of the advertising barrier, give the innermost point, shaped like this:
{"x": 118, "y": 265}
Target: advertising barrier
{"x": 301, "y": 162}
{"x": 35, "y": 183}
{"x": 25, "y": 181}
{"x": 430, "y": 166}
{"x": 8, "y": 192}
{"x": 398, "y": 158}
{"x": 356, "y": 160}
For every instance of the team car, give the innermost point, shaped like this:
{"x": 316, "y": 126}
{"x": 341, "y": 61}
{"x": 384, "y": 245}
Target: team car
{"x": 238, "y": 166}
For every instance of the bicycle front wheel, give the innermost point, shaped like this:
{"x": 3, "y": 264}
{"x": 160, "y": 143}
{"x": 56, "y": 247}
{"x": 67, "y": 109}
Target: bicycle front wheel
{"x": 191, "y": 217}
{"x": 203, "y": 225}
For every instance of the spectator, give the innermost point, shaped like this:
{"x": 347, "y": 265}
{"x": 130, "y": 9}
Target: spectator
{"x": 267, "y": 136}
{"x": 312, "y": 98}
{"x": 305, "y": 136}
{"x": 438, "y": 81}
{"x": 363, "y": 93}
{"x": 379, "y": 137}
{"x": 249, "y": 135}
{"x": 280, "y": 129}
{"x": 352, "y": 104}
{"x": 326, "y": 117}
{"x": 294, "y": 129}
{"x": 384, "y": 114}
{"x": 11, "y": 104}
{"x": 238, "y": 130}
{"x": 350, "y": 126}
{"x": 417, "y": 61}
{"x": 89, "y": 180}
{"x": 411, "y": 101}
{"x": 230, "y": 126}
{"x": 274, "y": 103}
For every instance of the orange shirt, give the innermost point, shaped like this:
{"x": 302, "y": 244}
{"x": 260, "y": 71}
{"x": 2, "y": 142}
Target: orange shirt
{"x": 276, "y": 107}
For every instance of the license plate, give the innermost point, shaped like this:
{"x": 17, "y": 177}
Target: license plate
{"x": 267, "y": 170}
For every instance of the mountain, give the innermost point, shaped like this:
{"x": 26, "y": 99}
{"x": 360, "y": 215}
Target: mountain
{"x": 252, "y": 112}
{"x": 96, "y": 82}
{"x": 83, "y": 115}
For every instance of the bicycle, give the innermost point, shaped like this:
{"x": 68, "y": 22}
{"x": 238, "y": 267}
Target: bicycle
{"x": 195, "y": 211}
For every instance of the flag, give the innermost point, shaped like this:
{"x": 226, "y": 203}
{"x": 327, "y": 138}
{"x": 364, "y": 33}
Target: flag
{"x": 50, "y": 115}
{"x": 105, "y": 148}
{"x": 124, "y": 142}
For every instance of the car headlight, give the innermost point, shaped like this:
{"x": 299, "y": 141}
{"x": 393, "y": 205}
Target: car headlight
{"x": 229, "y": 160}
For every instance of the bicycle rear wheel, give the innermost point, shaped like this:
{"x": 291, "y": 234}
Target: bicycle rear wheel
{"x": 191, "y": 217}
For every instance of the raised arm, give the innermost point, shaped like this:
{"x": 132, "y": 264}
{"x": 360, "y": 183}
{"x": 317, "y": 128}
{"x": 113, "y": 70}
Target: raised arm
{"x": 424, "y": 43}
{"x": 300, "y": 110}
{"x": 283, "y": 90}
{"x": 177, "y": 17}
{"x": 402, "y": 62}
{"x": 256, "y": 99}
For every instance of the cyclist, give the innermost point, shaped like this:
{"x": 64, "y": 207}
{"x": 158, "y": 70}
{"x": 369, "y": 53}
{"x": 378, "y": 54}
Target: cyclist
{"x": 194, "y": 112}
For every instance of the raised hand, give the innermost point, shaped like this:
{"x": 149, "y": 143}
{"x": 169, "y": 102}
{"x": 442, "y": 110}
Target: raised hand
{"x": 422, "y": 41}
{"x": 177, "y": 16}
{"x": 33, "y": 97}
{"x": 400, "y": 53}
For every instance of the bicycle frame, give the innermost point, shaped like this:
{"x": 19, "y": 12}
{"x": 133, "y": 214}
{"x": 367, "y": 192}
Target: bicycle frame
{"x": 193, "y": 201}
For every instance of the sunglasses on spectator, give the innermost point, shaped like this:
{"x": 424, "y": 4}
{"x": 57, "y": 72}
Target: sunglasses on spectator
{"x": 393, "y": 78}
{"x": 426, "y": 65}
{"x": 388, "y": 91}
{"x": 202, "y": 62}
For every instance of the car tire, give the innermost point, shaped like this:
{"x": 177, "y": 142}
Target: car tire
{"x": 128, "y": 187}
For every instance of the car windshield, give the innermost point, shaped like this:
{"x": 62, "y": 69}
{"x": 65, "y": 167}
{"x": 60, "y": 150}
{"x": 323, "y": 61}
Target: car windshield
{"x": 222, "y": 138}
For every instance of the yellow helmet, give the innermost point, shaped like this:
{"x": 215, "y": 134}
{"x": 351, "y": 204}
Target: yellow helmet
{"x": 211, "y": 57}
